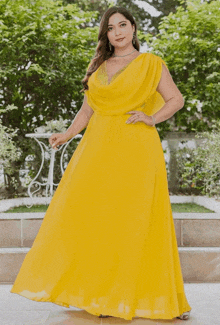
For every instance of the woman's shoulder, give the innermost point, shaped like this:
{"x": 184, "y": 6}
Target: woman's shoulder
{"x": 150, "y": 57}
{"x": 156, "y": 56}
{"x": 156, "y": 59}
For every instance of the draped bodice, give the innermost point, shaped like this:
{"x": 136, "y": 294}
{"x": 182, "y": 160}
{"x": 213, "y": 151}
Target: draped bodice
{"x": 103, "y": 76}
{"x": 131, "y": 88}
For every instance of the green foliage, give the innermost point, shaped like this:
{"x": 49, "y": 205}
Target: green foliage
{"x": 8, "y": 152}
{"x": 189, "y": 42}
{"x": 45, "y": 48}
{"x": 53, "y": 126}
{"x": 199, "y": 168}
{"x": 145, "y": 21}
{"x": 44, "y": 53}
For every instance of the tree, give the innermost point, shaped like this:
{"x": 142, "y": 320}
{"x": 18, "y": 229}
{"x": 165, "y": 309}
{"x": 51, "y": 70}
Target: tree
{"x": 145, "y": 21}
{"x": 189, "y": 42}
{"x": 45, "y": 48}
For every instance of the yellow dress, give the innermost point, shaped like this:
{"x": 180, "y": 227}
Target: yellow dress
{"x": 107, "y": 243}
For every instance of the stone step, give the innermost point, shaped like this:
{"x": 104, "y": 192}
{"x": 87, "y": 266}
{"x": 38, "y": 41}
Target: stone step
{"x": 199, "y": 264}
{"x": 192, "y": 229}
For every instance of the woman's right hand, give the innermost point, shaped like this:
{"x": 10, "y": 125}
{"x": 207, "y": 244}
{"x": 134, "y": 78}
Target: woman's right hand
{"x": 57, "y": 139}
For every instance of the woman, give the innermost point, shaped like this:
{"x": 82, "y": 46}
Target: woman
{"x": 107, "y": 243}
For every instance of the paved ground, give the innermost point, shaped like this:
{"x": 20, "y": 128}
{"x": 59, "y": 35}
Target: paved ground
{"x": 204, "y": 298}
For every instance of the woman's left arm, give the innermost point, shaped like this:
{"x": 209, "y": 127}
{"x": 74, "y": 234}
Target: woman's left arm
{"x": 173, "y": 98}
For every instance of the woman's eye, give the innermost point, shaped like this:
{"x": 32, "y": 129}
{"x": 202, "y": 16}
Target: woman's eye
{"x": 124, "y": 24}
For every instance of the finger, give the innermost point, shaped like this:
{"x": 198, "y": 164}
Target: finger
{"x": 136, "y": 120}
{"x": 52, "y": 138}
{"x": 132, "y": 119}
{"x": 55, "y": 144}
{"x": 51, "y": 141}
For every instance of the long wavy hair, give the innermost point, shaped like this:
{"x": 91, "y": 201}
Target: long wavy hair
{"x": 103, "y": 51}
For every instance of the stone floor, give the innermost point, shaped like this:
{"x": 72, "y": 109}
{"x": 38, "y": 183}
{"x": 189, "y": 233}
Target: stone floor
{"x": 204, "y": 298}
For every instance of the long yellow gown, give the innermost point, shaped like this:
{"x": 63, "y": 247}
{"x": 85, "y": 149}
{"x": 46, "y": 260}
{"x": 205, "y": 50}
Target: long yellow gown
{"x": 107, "y": 243}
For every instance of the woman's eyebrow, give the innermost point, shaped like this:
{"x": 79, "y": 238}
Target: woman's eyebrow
{"x": 119, "y": 22}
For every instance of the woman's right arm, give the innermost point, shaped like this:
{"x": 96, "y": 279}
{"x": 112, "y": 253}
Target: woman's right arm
{"x": 80, "y": 121}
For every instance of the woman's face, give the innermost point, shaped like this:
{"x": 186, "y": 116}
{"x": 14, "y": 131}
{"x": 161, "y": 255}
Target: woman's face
{"x": 120, "y": 27}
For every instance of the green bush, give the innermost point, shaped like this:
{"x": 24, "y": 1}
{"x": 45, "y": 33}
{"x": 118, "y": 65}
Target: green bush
{"x": 199, "y": 169}
{"x": 188, "y": 41}
{"x": 45, "y": 47}
{"x": 9, "y": 152}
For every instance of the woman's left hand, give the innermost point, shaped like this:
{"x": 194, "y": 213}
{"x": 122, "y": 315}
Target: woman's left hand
{"x": 138, "y": 116}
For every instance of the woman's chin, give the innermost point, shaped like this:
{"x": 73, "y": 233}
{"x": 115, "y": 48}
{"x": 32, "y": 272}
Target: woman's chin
{"x": 121, "y": 46}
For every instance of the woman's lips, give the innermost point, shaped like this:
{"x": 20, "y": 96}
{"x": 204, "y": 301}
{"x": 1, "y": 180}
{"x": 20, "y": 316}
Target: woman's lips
{"x": 119, "y": 40}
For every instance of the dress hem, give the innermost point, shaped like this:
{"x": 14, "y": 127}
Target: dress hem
{"x": 88, "y": 309}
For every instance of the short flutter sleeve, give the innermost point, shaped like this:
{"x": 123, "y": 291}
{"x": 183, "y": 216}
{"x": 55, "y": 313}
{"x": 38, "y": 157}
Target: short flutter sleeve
{"x": 159, "y": 61}
{"x": 155, "y": 101}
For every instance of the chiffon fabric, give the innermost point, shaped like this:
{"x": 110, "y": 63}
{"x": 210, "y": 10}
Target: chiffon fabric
{"x": 107, "y": 243}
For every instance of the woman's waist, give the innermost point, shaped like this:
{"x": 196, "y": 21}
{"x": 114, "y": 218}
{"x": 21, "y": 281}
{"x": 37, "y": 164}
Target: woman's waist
{"x": 120, "y": 112}
{"x": 110, "y": 122}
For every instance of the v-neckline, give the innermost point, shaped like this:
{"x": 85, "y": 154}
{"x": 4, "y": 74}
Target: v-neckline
{"x": 119, "y": 69}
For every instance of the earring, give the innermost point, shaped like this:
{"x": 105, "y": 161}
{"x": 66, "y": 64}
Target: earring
{"x": 110, "y": 46}
{"x": 133, "y": 40}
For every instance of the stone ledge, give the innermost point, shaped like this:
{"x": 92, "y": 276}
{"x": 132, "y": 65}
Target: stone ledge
{"x": 176, "y": 215}
{"x": 13, "y": 250}
{"x": 22, "y": 215}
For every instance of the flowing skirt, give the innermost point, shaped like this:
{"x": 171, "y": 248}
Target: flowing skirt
{"x": 107, "y": 243}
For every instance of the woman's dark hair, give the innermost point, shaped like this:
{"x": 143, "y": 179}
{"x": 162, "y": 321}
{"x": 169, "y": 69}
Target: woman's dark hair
{"x": 103, "y": 51}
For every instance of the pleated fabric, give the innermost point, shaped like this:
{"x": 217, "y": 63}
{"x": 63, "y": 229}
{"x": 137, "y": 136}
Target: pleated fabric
{"x": 107, "y": 243}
